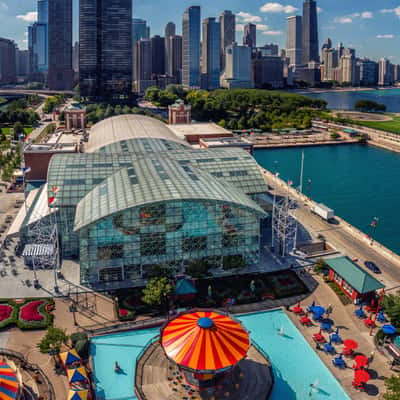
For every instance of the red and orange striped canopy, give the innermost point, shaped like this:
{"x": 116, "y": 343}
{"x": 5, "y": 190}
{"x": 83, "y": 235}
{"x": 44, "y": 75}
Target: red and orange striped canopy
{"x": 205, "y": 341}
{"x": 9, "y": 385}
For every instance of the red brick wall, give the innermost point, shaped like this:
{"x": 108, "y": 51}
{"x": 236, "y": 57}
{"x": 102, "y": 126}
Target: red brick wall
{"x": 39, "y": 163}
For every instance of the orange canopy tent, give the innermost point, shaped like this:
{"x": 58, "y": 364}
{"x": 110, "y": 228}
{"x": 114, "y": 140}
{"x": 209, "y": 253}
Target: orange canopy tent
{"x": 205, "y": 341}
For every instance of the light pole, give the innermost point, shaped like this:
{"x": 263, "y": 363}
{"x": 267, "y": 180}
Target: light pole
{"x": 374, "y": 225}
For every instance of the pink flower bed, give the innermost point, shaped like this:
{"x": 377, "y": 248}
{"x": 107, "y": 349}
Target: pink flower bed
{"x": 123, "y": 312}
{"x": 5, "y": 312}
{"x": 30, "y": 312}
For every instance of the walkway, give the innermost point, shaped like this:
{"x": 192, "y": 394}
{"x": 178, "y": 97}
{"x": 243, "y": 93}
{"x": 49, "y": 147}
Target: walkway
{"x": 350, "y": 328}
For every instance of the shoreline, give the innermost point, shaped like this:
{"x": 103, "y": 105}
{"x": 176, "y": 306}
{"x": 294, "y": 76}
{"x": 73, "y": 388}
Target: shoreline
{"x": 343, "y": 90}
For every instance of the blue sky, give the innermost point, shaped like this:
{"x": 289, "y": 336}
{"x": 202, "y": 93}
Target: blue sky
{"x": 370, "y": 26}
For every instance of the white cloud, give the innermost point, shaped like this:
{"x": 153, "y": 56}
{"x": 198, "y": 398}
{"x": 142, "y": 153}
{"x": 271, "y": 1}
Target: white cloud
{"x": 3, "y": 6}
{"x": 343, "y": 20}
{"x": 239, "y": 27}
{"x": 247, "y": 17}
{"x": 262, "y": 27}
{"x": 273, "y": 33}
{"x": 319, "y": 10}
{"x": 30, "y": 16}
{"x": 277, "y": 8}
{"x": 386, "y": 36}
{"x": 391, "y": 10}
{"x": 367, "y": 15}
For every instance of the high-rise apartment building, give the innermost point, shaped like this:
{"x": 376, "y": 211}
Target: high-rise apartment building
{"x": 368, "y": 72}
{"x": 330, "y": 62}
{"x": 8, "y": 62}
{"x": 174, "y": 67}
{"x": 210, "y": 59}
{"x": 140, "y": 30}
{"x": 158, "y": 55}
{"x": 170, "y": 30}
{"x": 348, "y": 67}
{"x": 144, "y": 66}
{"x": 250, "y": 35}
{"x": 267, "y": 71}
{"x": 60, "y": 74}
{"x": 310, "y": 46}
{"x": 75, "y": 57}
{"x": 237, "y": 67}
{"x": 22, "y": 63}
{"x": 105, "y": 48}
{"x": 385, "y": 78}
{"x": 191, "y": 47}
{"x": 396, "y": 73}
{"x": 227, "y": 22}
{"x": 269, "y": 49}
{"x": 294, "y": 40}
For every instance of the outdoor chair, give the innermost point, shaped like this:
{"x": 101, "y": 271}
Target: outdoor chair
{"x": 339, "y": 362}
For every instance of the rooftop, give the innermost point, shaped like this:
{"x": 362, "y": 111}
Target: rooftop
{"x": 204, "y": 129}
{"x": 354, "y": 275}
{"x": 125, "y": 127}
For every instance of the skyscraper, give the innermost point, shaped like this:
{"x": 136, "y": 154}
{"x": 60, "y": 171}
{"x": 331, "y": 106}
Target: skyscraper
{"x": 227, "y": 21}
{"x": 310, "y": 32}
{"x": 60, "y": 74}
{"x": 210, "y": 59}
{"x": 158, "y": 55}
{"x": 170, "y": 30}
{"x": 294, "y": 40}
{"x": 250, "y": 35}
{"x": 105, "y": 48}
{"x": 385, "y": 78}
{"x": 143, "y": 65}
{"x": 174, "y": 67}
{"x": 191, "y": 47}
{"x": 140, "y": 30}
{"x": 237, "y": 67}
{"x": 8, "y": 61}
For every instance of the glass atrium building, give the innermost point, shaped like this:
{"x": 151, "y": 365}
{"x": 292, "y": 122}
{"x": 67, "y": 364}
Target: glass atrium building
{"x": 141, "y": 200}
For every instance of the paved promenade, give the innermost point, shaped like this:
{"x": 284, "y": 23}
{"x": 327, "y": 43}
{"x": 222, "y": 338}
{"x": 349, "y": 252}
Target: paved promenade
{"x": 350, "y": 328}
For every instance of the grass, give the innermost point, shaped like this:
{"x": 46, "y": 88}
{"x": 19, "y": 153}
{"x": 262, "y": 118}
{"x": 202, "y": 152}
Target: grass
{"x": 7, "y": 129}
{"x": 388, "y": 126}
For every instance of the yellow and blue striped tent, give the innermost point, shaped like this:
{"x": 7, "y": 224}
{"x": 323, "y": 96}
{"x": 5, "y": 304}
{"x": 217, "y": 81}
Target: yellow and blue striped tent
{"x": 77, "y": 395}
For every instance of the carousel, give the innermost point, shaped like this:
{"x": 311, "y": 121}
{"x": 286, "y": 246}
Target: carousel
{"x": 203, "y": 354}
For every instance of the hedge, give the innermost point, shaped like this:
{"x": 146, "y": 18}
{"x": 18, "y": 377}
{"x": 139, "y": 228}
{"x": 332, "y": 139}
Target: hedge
{"x": 15, "y": 318}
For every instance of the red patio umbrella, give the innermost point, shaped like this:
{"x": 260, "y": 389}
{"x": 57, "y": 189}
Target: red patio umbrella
{"x": 350, "y": 344}
{"x": 360, "y": 361}
{"x": 361, "y": 375}
{"x": 298, "y": 309}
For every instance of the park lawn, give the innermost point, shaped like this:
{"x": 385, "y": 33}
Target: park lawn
{"x": 388, "y": 126}
{"x": 27, "y": 129}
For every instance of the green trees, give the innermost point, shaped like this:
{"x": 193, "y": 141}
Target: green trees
{"x": 52, "y": 102}
{"x": 369, "y": 106}
{"x": 392, "y": 388}
{"x": 157, "y": 291}
{"x": 53, "y": 340}
{"x": 162, "y": 98}
{"x": 391, "y": 303}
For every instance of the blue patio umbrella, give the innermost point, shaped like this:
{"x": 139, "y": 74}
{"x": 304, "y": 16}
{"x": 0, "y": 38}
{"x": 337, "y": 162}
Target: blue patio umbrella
{"x": 328, "y": 347}
{"x": 381, "y": 316}
{"x": 359, "y": 312}
{"x": 326, "y": 325}
{"x": 389, "y": 329}
{"x": 319, "y": 310}
{"x": 335, "y": 337}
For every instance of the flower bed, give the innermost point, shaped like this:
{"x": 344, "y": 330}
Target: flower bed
{"x": 7, "y": 312}
{"x": 26, "y": 313}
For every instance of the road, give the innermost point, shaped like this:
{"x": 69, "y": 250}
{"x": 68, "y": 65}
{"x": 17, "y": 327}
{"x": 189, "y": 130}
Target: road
{"x": 344, "y": 240}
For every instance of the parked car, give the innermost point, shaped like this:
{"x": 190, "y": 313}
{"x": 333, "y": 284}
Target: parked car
{"x": 372, "y": 266}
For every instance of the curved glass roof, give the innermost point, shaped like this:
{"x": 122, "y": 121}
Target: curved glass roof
{"x": 149, "y": 181}
{"x": 130, "y": 126}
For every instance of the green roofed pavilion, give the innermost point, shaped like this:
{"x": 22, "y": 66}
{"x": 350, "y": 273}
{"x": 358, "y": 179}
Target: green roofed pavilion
{"x": 354, "y": 275}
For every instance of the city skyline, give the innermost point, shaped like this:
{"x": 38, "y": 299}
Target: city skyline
{"x": 354, "y": 24}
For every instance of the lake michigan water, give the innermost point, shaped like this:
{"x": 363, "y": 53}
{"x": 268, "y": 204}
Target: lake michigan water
{"x": 346, "y": 100}
{"x": 359, "y": 182}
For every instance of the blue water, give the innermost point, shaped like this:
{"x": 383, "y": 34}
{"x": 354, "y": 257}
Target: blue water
{"x": 359, "y": 182}
{"x": 295, "y": 364}
{"x": 346, "y": 100}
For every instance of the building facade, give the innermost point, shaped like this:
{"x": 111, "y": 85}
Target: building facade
{"x": 105, "y": 48}
{"x": 191, "y": 47}
{"x": 267, "y": 72}
{"x": 158, "y": 55}
{"x": 385, "y": 76}
{"x": 250, "y": 35}
{"x": 368, "y": 72}
{"x": 8, "y": 62}
{"x": 174, "y": 67}
{"x": 169, "y": 31}
{"x": 210, "y": 60}
{"x": 227, "y": 22}
{"x": 60, "y": 74}
{"x": 75, "y": 117}
{"x": 144, "y": 65}
{"x": 310, "y": 48}
{"x": 237, "y": 72}
{"x": 148, "y": 201}
{"x": 294, "y": 40}
{"x": 179, "y": 113}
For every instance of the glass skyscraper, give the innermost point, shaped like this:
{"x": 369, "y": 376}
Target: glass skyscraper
{"x": 60, "y": 73}
{"x": 191, "y": 47}
{"x": 310, "y": 51}
{"x": 105, "y": 48}
{"x": 210, "y": 67}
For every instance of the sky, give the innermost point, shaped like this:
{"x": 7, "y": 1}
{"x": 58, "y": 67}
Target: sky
{"x": 372, "y": 27}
